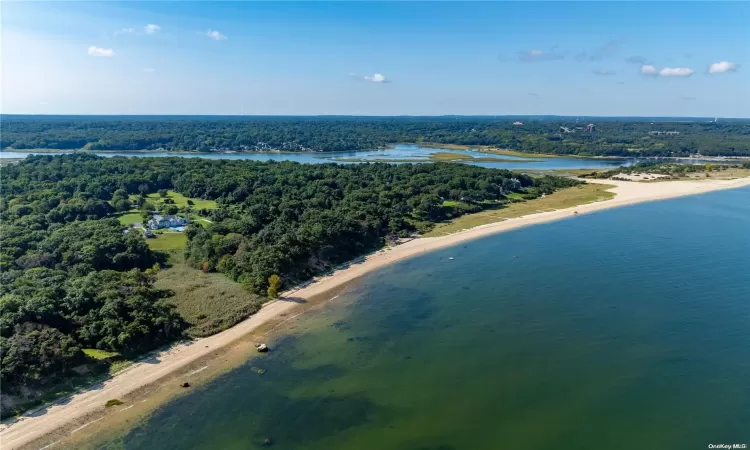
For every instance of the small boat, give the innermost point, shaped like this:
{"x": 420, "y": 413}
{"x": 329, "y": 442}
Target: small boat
{"x": 451, "y": 258}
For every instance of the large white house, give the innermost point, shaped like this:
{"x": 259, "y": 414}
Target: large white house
{"x": 158, "y": 222}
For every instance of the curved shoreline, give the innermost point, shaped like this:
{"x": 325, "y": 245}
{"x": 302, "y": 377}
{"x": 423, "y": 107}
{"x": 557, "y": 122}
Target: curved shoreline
{"x": 30, "y": 427}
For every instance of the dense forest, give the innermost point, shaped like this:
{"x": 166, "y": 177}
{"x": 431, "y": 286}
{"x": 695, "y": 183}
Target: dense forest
{"x": 72, "y": 280}
{"x": 551, "y": 135}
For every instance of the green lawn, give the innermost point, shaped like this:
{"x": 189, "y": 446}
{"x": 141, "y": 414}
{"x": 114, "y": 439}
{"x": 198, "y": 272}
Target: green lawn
{"x": 130, "y": 218}
{"x": 167, "y": 241}
{"x": 99, "y": 354}
{"x": 181, "y": 201}
{"x": 573, "y": 196}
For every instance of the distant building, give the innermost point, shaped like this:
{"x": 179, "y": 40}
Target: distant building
{"x": 158, "y": 222}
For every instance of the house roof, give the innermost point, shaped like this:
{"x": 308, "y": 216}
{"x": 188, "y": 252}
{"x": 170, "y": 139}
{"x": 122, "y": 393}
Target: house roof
{"x": 159, "y": 218}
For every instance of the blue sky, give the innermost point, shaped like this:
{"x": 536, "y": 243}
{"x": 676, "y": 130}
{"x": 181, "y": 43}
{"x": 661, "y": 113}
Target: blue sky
{"x": 392, "y": 58}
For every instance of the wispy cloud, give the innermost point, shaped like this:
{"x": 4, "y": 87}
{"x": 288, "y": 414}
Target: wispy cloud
{"x": 648, "y": 69}
{"x": 374, "y": 78}
{"x": 604, "y": 72}
{"x": 126, "y": 30}
{"x": 636, "y": 60}
{"x": 676, "y": 72}
{"x": 151, "y": 28}
{"x": 610, "y": 48}
{"x": 213, "y": 34}
{"x": 539, "y": 55}
{"x": 722, "y": 67}
{"x": 98, "y": 51}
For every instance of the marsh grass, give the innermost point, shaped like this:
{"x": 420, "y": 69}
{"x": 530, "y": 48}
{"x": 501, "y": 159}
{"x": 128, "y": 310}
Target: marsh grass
{"x": 565, "y": 198}
{"x": 209, "y": 302}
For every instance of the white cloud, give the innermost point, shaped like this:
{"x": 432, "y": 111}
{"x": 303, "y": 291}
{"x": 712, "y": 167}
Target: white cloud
{"x": 648, "y": 69}
{"x": 213, "y": 34}
{"x": 376, "y": 78}
{"x": 149, "y": 69}
{"x": 722, "y": 67}
{"x": 127, "y": 30}
{"x": 604, "y": 72}
{"x": 151, "y": 28}
{"x": 98, "y": 51}
{"x": 676, "y": 72}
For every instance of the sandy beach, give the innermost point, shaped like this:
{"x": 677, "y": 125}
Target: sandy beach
{"x": 37, "y": 424}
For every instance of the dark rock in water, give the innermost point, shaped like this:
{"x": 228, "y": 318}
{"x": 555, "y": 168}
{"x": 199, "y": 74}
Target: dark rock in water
{"x": 262, "y": 348}
{"x": 185, "y": 385}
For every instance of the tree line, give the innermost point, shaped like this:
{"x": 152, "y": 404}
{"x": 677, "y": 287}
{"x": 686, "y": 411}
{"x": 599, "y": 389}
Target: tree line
{"x": 608, "y": 137}
{"x": 72, "y": 279}
{"x": 675, "y": 170}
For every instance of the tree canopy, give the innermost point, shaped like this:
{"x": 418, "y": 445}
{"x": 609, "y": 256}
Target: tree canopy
{"x": 552, "y": 135}
{"x": 72, "y": 278}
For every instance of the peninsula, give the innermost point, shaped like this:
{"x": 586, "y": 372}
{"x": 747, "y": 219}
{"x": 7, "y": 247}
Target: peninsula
{"x": 87, "y": 406}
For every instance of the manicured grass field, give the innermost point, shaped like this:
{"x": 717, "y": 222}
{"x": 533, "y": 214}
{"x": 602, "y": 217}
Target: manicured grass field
{"x": 130, "y": 218}
{"x": 181, "y": 201}
{"x": 167, "y": 241}
{"x": 578, "y": 195}
{"x": 209, "y": 302}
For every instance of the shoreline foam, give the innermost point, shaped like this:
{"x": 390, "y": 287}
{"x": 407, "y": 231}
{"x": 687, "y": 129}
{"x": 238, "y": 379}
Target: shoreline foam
{"x": 30, "y": 427}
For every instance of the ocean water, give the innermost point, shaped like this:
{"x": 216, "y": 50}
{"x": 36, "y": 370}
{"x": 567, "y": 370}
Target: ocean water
{"x": 399, "y": 151}
{"x": 624, "y": 329}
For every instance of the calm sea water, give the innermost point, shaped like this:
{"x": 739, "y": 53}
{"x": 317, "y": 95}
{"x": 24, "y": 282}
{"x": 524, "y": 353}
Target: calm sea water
{"x": 625, "y": 329}
{"x": 400, "y": 151}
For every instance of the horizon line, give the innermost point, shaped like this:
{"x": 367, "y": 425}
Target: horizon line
{"x": 488, "y": 116}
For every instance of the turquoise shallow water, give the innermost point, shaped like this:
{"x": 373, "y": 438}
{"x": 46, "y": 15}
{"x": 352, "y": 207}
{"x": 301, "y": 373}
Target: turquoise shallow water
{"x": 624, "y": 329}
